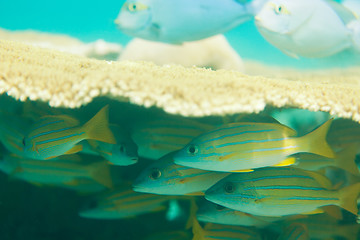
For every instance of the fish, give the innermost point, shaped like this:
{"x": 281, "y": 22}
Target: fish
{"x": 344, "y": 159}
{"x": 215, "y": 213}
{"x": 123, "y": 153}
{"x": 12, "y": 132}
{"x": 301, "y": 27}
{"x": 159, "y": 137}
{"x": 166, "y": 178}
{"x": 321, "y": 226}
{"x": 158, "y": 20}
{"x": 281, "y": 192}
{"x": 223, "y": 232}
{"x": 295, "y": 231}
{"x": 342, "y": 133}
{"x": 247, "y": 145}
{"x": 122, "y": 203}
{"x": 56, "y": 135}
{"x": 65, "y": 170}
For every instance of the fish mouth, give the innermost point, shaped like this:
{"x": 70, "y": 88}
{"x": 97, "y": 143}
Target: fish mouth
{"x": 139, "y": 188}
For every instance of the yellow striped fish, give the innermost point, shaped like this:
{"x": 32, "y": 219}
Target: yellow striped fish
{"x": 53, "y": 136}
{"x": 321, "y": 226}
{"x": 160, "y": 137}
{"x": 344, "y": 132}
{"x": 280, "y": 192}
{"x": 123, "y": 153}
{"x": 344, "y": 159}
{"x": 295, "y": 231}
{"x": 223, "y": 232}
{"x": 123, "y": 203}
{"x": 243, "y": 146}
{"x": 60, "y": 171}
{"x": 165, "y": 177}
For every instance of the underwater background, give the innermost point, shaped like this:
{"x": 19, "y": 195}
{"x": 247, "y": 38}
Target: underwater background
{"x": 36, "y": 211}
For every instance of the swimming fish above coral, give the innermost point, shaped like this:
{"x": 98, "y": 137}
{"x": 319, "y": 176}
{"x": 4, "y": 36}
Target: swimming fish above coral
{"x": 122, "y": 203}
{"x": 281, "y": 192}
{"x": 56, "y": 135}
{"x": 167, "y": 178}
{"x": 180, "y": 21}
{"x": 248, "y": 145}
{"x": 302, "y": 27}
{"x": 64, "y": 171}
{"x": 123, "y": 153}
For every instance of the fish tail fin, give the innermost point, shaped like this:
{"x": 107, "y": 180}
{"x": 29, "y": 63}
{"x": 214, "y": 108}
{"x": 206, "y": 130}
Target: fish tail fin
{"x": 348, "y": 196}
{"x": 345, "y": 159}
{"x": 97, "y": 128}
{"x": 197, "y": 230}
{"x": 100, "y": 172}
{"x": 315, "y": 141}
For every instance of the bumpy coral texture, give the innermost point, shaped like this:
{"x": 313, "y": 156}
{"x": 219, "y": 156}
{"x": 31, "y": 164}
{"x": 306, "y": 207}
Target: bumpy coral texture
{"x": 71, "y": 81}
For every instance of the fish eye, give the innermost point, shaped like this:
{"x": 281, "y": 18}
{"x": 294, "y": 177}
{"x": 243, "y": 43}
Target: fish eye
{"x": 132, "y": 7}
{"x": 279, "y": 9}
{"x": 155, "y": 174}
{"x": 219, "y": 207}
{"x": 193, "y": 149}
{"x": 229, "y": 187}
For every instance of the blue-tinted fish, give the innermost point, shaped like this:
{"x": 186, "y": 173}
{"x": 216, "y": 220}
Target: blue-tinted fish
{"x": 295, "y": 231}
{"x": 223, "y": 232}
{"x": 165, "y": 177}
{"x": 214, "y": 213}
{"x": 58, "y": 172}
{"x": 159, "y": 20}
{"x": 241, "y": 146}
{"x": 123, "y": 203}
{"x": 281, "y": 192}
{"x": 160, "y": 137}
{"x": 301, "y": 27}
{"x": 53, "y": 136}
{"x": 123, "y": 153}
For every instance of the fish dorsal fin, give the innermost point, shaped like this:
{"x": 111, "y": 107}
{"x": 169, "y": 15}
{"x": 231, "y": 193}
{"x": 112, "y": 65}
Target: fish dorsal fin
{"x": 346, "y": 15}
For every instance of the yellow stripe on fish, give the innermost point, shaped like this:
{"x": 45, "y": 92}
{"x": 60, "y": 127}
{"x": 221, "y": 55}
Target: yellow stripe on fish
{"x": 241, "y": 146}
{"x": 280, "y": 192}
{"x": 53, "y": 136}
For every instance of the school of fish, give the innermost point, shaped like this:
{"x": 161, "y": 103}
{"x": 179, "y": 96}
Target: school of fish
{"x": 250, "y": 176}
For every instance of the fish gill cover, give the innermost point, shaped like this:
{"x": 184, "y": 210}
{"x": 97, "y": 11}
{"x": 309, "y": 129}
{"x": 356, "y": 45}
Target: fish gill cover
{"x": 265, "y": 143}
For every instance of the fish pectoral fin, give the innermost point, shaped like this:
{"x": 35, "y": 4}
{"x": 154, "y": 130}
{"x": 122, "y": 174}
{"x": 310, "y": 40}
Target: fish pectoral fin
{"x": 222, "y": 158}
{"x": 75, "y": 149}
{"x": 316, "y": 211}
{"x": 287, "y": 162}
{"x": 244, "y": 170}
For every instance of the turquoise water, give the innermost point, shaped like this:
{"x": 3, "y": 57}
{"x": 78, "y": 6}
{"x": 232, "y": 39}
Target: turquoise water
{"x": 92, "y": 20}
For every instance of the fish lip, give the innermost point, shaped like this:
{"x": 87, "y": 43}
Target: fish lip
{"x": 139, "y": 188}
